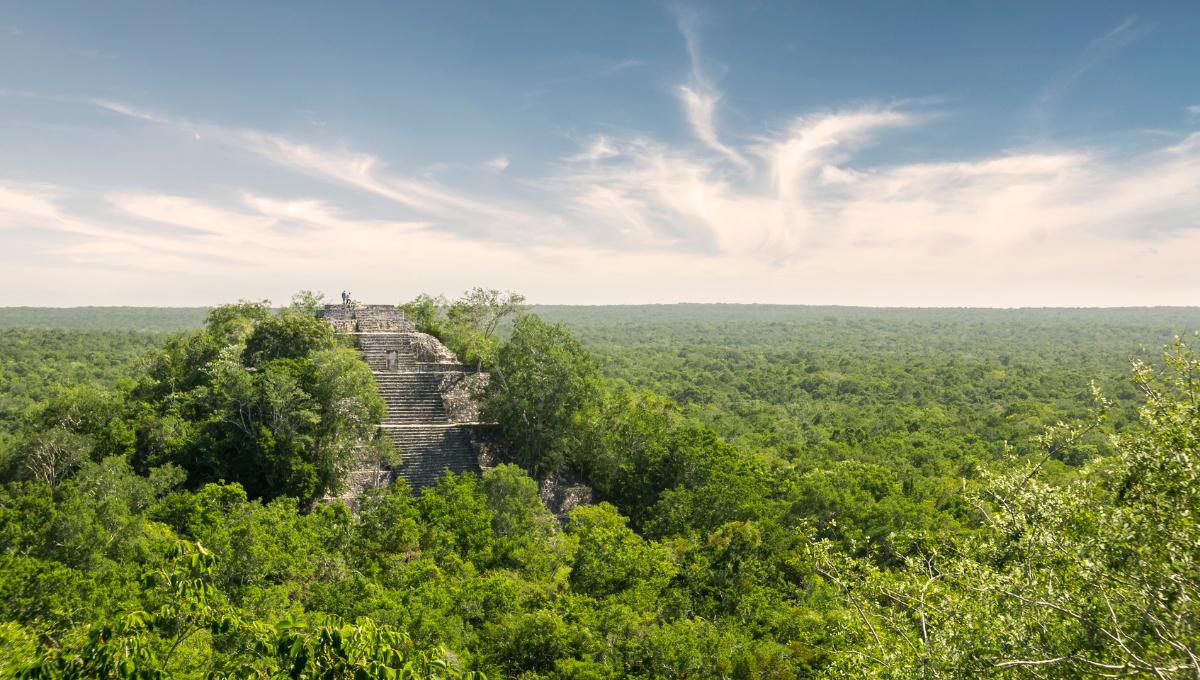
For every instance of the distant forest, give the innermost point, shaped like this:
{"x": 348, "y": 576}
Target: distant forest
{"x": 782, "y": 492}
{"x": 171, "y": 319}
{"x": 146, "y": 319}
{"x": 605, "y": 315}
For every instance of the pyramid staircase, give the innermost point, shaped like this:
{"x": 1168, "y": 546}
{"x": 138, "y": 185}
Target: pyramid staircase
{"x": 417, "y": 418}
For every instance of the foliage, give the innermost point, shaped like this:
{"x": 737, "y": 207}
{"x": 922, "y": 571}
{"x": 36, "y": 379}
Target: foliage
{"x": 1093, "y": 577}
{"x": 287, "y": 336}
{"x": 38, "y": 367}
{"x": 49, "y": 456}
{"x": 426, "y": 313}
{"x": 320, "y": 647}
{"x": 778, "y": 496}
{"x": 468, "y": 325}
{"x": 613, "y": 561}
{"x": 523, "y": 530}
{"x": 307, "y": 302}
{"x": 144, "y": 320}
{"x": 474, "y": 319}
{"x": 542, "y": 382}
{"x": 269, "y": 400}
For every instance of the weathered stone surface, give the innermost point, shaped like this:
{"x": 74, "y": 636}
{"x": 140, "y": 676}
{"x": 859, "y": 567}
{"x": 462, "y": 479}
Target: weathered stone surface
{"x": 366, "y": 319}
{"x": 430, "y": 411}
{"x": 490, "y": 446}
{"x": 458, "y": 390}
{"x": 430, "y": 414}
{"x": 427, "y": 349}
{"x": 562, "y": 493}
{"x": 368, "y": 473}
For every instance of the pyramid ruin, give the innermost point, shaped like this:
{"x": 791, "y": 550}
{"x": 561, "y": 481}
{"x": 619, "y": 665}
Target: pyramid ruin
{"x": 430, "y": 414}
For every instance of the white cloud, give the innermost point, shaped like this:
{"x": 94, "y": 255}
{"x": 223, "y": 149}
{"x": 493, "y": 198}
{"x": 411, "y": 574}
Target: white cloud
{"x": 832, "y": 174}
{"x": 812, "y": 211}
{"x": 700, "y": 96}
{"x": 132, "y": 111}
{"x": 67, "y": 239}
{"x": 601, "y": 147}
{"x": 361, "y": 170}
{"x": 793, "y": 216}
{"x": 306, "y": 229}
{"x": 1103, "y": 47}
{"x": 199, "y": 216}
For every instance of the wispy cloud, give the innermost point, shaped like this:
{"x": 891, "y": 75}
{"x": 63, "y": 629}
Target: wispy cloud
{"x": 812, "y": 210}
{"x": 805, "y": 204}
{"x": 92, "y": 54}
{"x": 361, "y": 170}
{"x": 1099, "y": 50}
{"x": 173, "y": 234}
{"x": 600, "y": 147}
{"x": 795, "y": 207}
{"x": 602, "y": 70}
{"x": 700, "y": 94}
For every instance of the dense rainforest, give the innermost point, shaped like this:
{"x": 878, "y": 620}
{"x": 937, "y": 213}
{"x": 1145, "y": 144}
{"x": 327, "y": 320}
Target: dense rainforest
{"x": 145, "y": 319}
{"x": 783, "y": 492}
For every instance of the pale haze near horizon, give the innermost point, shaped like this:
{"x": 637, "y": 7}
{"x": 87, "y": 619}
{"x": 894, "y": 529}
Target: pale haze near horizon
{"x": 878, "y": 155}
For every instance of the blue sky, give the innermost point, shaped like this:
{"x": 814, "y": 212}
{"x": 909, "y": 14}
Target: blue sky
{"x": 916, "y": 154}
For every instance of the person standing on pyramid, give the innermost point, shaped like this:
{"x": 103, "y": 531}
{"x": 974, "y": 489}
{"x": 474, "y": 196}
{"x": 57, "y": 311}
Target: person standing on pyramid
{"x": 344, "y": 297}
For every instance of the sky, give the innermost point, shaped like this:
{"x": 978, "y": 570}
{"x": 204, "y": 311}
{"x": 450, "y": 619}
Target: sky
{"x": 847, "y": 153}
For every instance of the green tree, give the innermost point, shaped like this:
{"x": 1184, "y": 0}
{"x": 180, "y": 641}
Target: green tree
{"x": 230, "y": 324}
{"x": 287, "y": 336}
{"x": 427, "y": 313}
{"x": 388, "y": 522}
{"x": 91, "y": 412}
{"x": 48, "y": 456}
{"x": 307, "y": 302}
{"x": 99, "y": 522}
{"x": 1094, "y": 575}
{"x": 612, "y": 561}
{"x": 474, "y": 318}
{"x": 456, "y": 518}
{"x": 130, "y": 647}
{"x": 280, "y": 407}
{"x": 526, "y": 535}
{"x": 47, "y": 597}
{"x": 618, "y": 431}
{"x": 683, "y": 462}
{"x": 542, "y": 384}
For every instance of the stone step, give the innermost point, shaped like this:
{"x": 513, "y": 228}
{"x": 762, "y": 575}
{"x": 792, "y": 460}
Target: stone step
{"x": 412, "y": 398}
{"x": 417, "y": 389}
{"x": 428, "y": 451}
{"x": 366, "y": 319}
{"x": 374, "y": 349}
{"x": 416, "y": 413}
{"x": 390, "y": 378}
